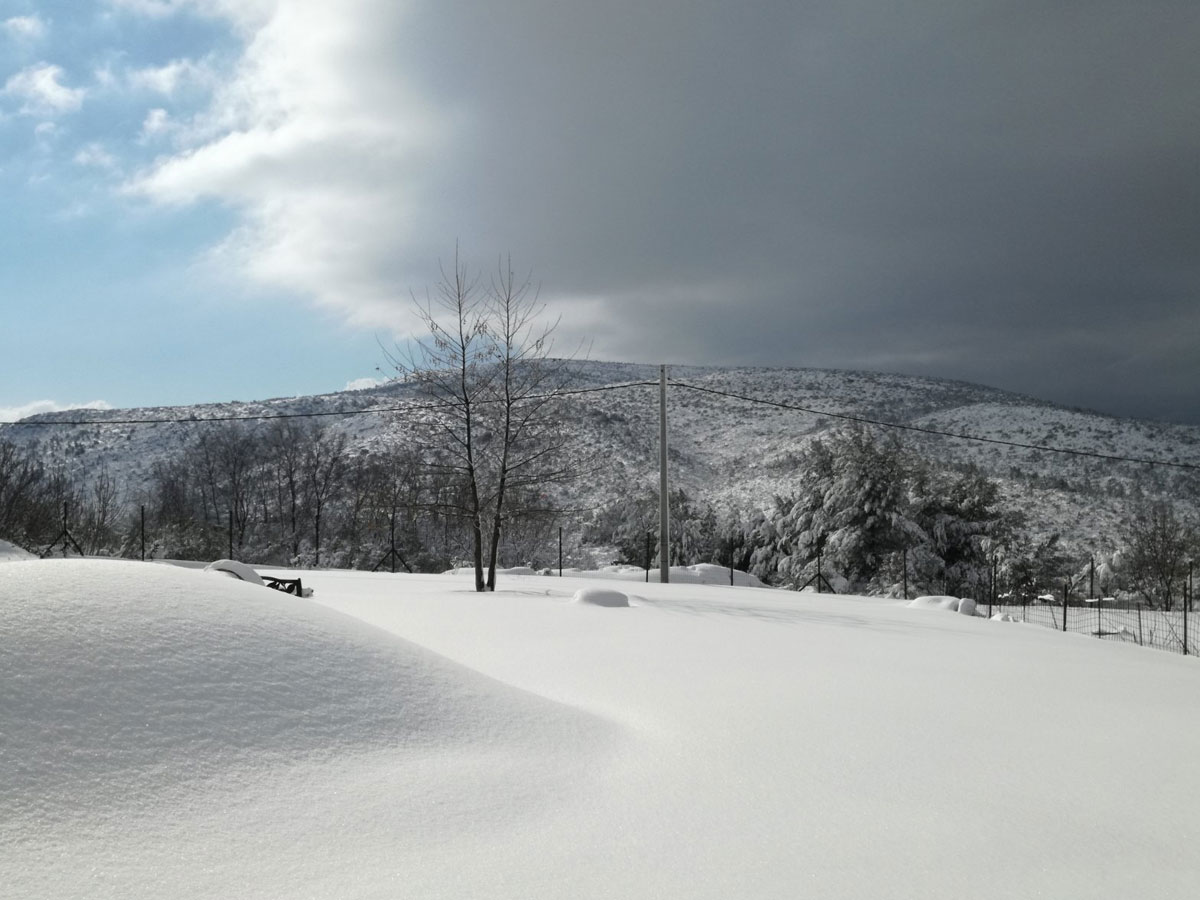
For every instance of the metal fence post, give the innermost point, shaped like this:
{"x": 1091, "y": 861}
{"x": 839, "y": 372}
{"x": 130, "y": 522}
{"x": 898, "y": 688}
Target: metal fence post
{"x": 1066, "y": 593}
{"x": 991, "y": 587}
{"x": 647, "y": 557}
{"x": 1092, "y": 596}
{"x": 560, "y": 551}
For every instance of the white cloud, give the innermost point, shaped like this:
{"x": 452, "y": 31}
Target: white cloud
{"x": 93, "y": 154}
{"x": 30, "y": 28}
{"x": 315, "y": 138}
{"x": 41, "y": 88}
{"x": 105, "y": 76}
{"x": 362, "y": 384}
{"x": 156, "y": 123}
{"x": 168, "y": 78}
{"x": 15, "y": 413}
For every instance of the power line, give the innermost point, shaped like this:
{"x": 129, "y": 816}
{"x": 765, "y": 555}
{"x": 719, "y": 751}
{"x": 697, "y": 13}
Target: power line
{"x": 933, "y": 431}
{"x": 256, "y": 417}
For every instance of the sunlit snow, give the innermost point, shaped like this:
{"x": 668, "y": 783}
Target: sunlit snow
{"x": 168, "y": 733}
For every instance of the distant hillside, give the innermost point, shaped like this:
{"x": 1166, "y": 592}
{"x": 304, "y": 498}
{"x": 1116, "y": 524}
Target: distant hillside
{"x": 730, "y": 451}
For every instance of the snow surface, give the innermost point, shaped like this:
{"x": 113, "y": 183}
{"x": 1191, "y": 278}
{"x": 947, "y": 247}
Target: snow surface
{"x": 12, "y": 553}
{"x": 167, "y": 733}
{"x": 703, "y": 573}
{"x": 964, "y": 605}
{"x": 235, "y": 569}
{"x": 601, "y": 597}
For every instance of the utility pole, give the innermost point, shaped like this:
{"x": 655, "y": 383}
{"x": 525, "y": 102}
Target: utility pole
{"x": 664, "y": 510}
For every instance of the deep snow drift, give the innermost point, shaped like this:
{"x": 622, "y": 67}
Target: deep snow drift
{"x": 178, "y": 733}
{"x": 11, "y": 552}
{"x": 964, "y": 605}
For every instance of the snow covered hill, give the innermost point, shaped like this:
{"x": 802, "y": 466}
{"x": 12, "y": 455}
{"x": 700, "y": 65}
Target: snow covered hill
{"x": 171, "y": 732}
{"x": 735, "y": 453}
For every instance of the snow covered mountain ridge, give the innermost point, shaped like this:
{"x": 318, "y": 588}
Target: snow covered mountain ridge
{"x": 727, "y": 450}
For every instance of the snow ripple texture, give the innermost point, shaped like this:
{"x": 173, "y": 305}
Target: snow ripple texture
{"x": 126, "y": 678}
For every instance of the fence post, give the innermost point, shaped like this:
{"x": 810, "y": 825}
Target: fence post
{"x": 560, "y": 551}
{"x": 143, "y": 532}
{"x": 1066, "y": 593}
{"x": 991, "y": 587}
{"x": 647, "y": 557}
{"x": 1092, "y": 596}
{"x": 1186, "y": 604}
{"x": 1139, "y": 609}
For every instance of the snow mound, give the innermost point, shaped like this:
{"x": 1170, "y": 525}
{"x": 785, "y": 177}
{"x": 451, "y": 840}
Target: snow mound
{"x": 11, "y": 552}
{"x": 234, "y": 569}
{"x": 517, "y": 570}
{"x": 964, "y": 605}
{"x": 600, "y": 597}
{"x": 710, "y": 573}
{"x": 702, "y": 573}
{"x": 121, "y": 682}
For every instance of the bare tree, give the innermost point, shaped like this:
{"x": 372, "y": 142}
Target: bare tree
{"x": 526, "y": 390}
{"x": 486, "y": 370}
{"x": 228, "y": 459}
{"x": 450, "y": 365}
{"x": 323, "y": 464}
{"x": 1158, "y": 543}
{"x": 102, "y": 507}
{"x": 21, "y": 491}
{"x": 284, "y": 449}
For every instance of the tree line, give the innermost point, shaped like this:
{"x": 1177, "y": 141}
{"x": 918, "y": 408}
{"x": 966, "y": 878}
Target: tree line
{"x": 869, "y": 516}
{"x": 288, "y": 494}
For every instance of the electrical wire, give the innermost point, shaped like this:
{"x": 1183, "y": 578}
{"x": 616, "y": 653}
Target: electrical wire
{"x": 256, "y": 417}
{"x": 933, "y": 431}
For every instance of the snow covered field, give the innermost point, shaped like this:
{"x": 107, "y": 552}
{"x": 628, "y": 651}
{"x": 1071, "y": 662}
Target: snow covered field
{"x": 167, "y": 732}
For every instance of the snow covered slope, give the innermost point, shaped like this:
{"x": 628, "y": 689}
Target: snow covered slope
{"x": 10, "y": 552}
{"x": 728, "y": 450}
{"x": 176, "y": 733}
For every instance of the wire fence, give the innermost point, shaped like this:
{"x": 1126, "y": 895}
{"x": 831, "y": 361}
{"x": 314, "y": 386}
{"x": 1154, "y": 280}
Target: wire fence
{"x": 1169, "y": 630}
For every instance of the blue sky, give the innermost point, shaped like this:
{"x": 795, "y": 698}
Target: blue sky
{"x": 109, "y": 296}
{"x": 218, "y": 199}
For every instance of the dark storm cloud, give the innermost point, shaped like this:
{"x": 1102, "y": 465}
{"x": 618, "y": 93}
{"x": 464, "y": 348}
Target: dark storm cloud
{"x": 1003, "y": 192}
